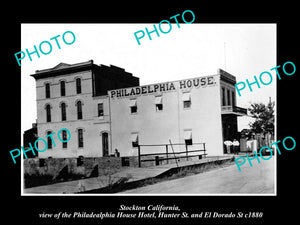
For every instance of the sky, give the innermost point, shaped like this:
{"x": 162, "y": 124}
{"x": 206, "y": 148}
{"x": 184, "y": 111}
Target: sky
{"x": 193, "y": 50}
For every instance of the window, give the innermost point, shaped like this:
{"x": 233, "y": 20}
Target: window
{"x": 135, "y": 139}
{"x": 158, "y": 103}
{"x": 125, "y": 161}
{"x": 188, "y": 137}
{"x": 63, "y": 112}
{"x": 47, "y": 89}
{"x": 133, "y": 106}
{"x": 233, "y": 98}
{"x": 64, "y": 137}
{"x": 78, "y": 85}
{"x": 228, "y": 97}
{"x": 49, "y": 141}
{"x": 100, "y": 109}
{"x": 48, "y": 113}
{"x": 186, "y": 98}
{"x": 80, "y": 161}
{"x": 80, "y": 138}
{"x": 42, "y": 162}
{"x": 79, "y": 110}
{"x": 223, "y": 97}
{"x": 62, "y": 88}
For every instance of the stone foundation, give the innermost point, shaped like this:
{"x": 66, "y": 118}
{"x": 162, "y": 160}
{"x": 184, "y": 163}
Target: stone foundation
{"x": 85, "y": 167}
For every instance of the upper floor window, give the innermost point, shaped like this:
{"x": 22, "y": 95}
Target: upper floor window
{"x": 100, "y": 109}
{"x": 158, "y": 103}
{"x": 233, "y": 98}
{"x": 63, "y": 111}
{"x": 48, "y": 113}
{"x": 186, "y": 98}
{"x": 223, "y": 97}
{"x": 78, "y": 85}
{"x": 62, "y": 88}
{"x": 228, "y": 97}
{"x": 47, "y": 90}
{"x": 133, "y": 106}
{"x": 79, "y": 110}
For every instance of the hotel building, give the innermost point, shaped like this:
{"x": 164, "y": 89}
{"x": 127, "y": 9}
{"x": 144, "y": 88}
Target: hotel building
{"x": 105, "y": 108}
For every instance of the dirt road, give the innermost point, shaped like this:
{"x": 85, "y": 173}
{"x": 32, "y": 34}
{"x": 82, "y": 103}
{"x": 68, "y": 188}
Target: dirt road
{"x": 258, "y": 179}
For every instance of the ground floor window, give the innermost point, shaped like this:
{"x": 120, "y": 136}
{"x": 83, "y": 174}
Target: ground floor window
{"x": 64, "y": 137}
{"x": 188, "y": 139}
{"x": 134, "y": 139}
{"x": 80, "y": 138}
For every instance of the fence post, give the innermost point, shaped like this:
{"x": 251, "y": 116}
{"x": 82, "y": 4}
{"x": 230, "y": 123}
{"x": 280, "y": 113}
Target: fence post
{"x": 167, "y": 154}
{"x": 204, "y": 150}
{"x": 186, "y": 149}
{"x": 139, "y": 155}
{"x": 173, "y": 153}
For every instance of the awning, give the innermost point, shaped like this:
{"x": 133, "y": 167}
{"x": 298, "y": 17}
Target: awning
{"x": 134, "y": 137}
{"x": 187, "y": 134}
{"x": 158, "y": 100}
{"x": 132, "y": 102}
{"x": 186, "y": 96}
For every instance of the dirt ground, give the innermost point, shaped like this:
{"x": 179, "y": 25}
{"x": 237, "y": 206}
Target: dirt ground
{"x": 258, "y": 179}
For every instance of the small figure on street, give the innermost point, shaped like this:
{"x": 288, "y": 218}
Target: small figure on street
{"x": 117, "y": 153}
{"x": 236, "y": 145}
{"x": 228, "y": 144}
{"x": 81, "y": 186}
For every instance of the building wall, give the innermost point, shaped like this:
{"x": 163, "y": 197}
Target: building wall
{"x": 228, "y": 87}
{"x": 203, "y": 118}
{"x": 92, "y": 125}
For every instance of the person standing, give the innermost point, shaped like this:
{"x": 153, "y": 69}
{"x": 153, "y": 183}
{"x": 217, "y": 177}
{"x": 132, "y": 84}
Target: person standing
{"x": 236, "y": 145}
{"x": 228, "y": 144}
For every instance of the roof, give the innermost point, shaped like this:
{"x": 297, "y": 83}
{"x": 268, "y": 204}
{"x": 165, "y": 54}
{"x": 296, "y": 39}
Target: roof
{"x": 62, "y": 68}
{"x": 227, "y": 77}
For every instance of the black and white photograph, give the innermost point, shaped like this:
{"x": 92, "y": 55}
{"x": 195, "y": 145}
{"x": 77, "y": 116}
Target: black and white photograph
{"x": 163, "y": 118}
{"x": 149, "y": 118}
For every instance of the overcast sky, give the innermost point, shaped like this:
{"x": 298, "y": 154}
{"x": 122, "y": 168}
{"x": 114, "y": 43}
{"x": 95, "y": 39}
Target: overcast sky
{"x": 193, "y": 50}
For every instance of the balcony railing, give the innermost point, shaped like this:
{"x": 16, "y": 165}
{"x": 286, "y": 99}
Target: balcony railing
{"x": 229, "y": 109}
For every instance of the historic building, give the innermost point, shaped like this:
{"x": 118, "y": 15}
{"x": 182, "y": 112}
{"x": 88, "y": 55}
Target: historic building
{"x": 105, "y": 109}
{"x": 75, "y": 97}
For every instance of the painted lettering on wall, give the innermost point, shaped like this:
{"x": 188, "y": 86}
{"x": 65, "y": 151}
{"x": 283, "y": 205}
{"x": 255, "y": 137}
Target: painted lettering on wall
{"x": 164, "y": 87}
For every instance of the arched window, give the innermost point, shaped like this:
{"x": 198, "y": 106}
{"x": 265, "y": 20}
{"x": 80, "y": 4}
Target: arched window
{"x": 63, "y": 111}
{"x": 48, "y": 113}
{"x": 79, "y": 110}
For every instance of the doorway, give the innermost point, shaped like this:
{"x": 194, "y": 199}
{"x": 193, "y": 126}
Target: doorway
{"x": 105, "y": 144}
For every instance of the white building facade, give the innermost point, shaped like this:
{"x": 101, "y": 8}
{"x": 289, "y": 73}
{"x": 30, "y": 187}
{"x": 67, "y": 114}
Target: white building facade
{"x": 181, "y": 111}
